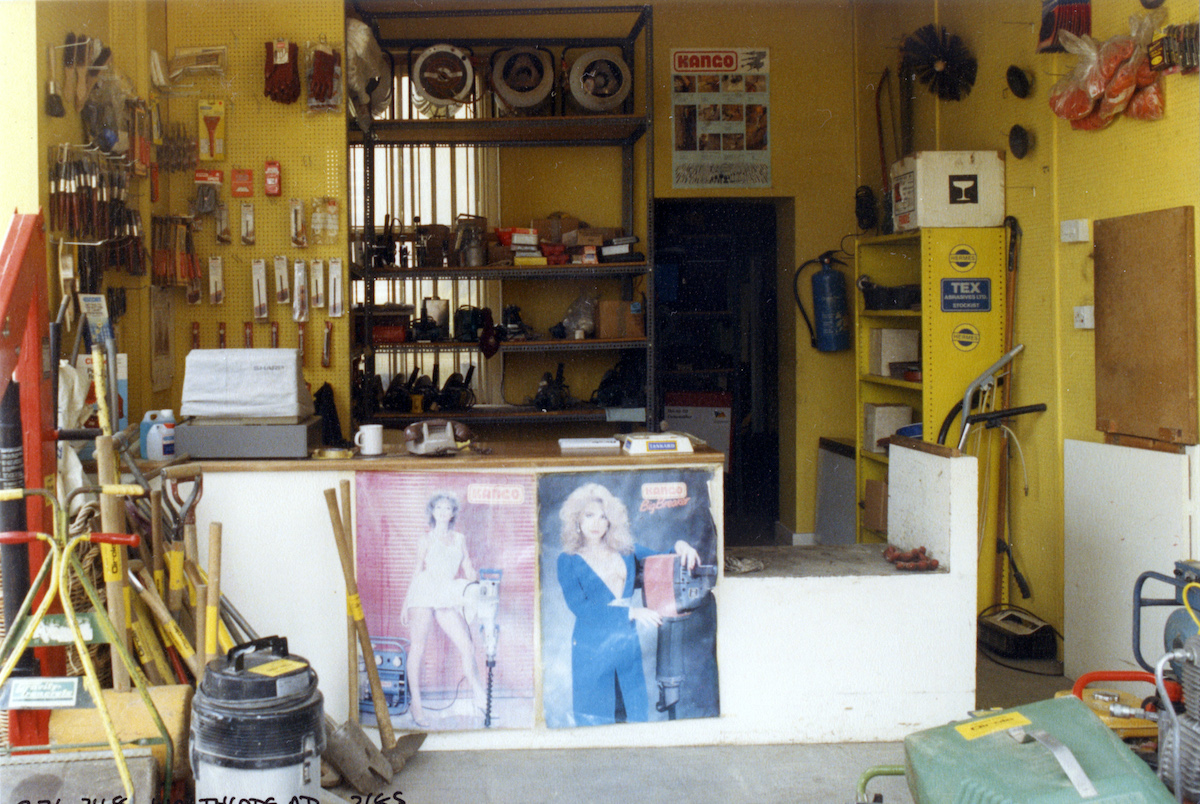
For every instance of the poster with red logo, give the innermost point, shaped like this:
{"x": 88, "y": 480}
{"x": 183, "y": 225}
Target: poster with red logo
{"x": 720, "y": 112}
{"x": 447, "y": 575}
{"x": 629, "y": 619}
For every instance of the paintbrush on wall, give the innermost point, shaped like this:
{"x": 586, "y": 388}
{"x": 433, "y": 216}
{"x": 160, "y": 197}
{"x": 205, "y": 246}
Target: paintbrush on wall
{"x": 54, "y": 101}
{"x": 69, "y": 68}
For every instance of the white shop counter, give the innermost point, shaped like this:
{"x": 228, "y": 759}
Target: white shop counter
{"x": 827, "y": 644}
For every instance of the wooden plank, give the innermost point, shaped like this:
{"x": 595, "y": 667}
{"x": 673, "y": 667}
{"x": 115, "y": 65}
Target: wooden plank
{"x": 1145, "y": 292}
{"x": 504, "y": 455}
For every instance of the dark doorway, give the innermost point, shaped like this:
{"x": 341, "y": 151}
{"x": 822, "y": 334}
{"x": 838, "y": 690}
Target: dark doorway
{"x": 716, "y": 341}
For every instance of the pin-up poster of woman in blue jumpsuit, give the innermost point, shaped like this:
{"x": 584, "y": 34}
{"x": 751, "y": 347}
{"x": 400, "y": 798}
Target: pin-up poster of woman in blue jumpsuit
{"x": 596, "y": 572}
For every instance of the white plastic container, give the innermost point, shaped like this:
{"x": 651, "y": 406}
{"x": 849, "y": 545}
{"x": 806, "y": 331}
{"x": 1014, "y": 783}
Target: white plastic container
{"x": 160, "y": 441}
{"x": 152, "y": 418}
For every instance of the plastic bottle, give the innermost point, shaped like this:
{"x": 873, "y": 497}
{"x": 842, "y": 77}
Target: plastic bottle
{"x": 158, "y": 435}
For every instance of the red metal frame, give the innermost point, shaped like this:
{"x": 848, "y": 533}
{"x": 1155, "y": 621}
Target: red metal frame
{"x": 25, "y": 357}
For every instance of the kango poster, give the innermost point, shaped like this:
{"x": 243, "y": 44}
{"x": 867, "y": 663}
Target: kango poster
{"x": 721, "y": 114}
{"x": 447, "y": 573}
{"x": 628, "y": 565}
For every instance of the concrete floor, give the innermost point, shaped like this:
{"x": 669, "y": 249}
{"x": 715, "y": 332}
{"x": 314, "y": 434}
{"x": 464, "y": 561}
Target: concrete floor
{"x": 765, "y": 774}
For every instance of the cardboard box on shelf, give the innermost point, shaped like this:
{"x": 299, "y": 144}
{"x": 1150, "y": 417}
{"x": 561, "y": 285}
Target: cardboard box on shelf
{"x": 881, "y": 421}
{"x": 948, "y": 189}
{"x": 621, "y": 319}
{"x": 551, "y": 230}
{"x": 892, "y": 346}
{"x": 589, "y": 236}
{"x": 875, "y": 499}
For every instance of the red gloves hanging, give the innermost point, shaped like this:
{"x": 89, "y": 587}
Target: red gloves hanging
{"x": 320, "y": 84}
{"x": 282, "y": 72}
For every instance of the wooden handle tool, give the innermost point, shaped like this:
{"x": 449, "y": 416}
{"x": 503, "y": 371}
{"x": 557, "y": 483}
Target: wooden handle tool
{"x": 387, "y": 734}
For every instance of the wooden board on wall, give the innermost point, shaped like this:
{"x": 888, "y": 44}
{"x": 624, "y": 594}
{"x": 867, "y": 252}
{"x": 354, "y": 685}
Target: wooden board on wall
{"x": 1146, "y": 325}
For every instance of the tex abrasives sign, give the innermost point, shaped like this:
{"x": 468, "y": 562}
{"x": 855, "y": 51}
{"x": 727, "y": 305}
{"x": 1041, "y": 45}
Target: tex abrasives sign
{"x": 720, "y": 110}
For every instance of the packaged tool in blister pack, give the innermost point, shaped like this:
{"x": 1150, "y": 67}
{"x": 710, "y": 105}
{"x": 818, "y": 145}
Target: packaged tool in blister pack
{"x": 258, "y": 273}
{"x": 300, "y": 300}
{"x": 283, "y": 294}
{"x": 324, "y": 78}
{"x": 316, "y": 282}
{"x": 324, "y": 221}
{"x": 298, "y": 227}
{"x": 216, "y": 279}
{"x": 211, "y": 117}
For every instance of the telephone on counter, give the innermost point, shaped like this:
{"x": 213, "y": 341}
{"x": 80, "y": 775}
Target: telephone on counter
{"x": 433, "y": 437}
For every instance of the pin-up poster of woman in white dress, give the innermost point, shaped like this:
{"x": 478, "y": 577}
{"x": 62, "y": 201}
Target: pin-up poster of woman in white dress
{"x": 447, "y": 576}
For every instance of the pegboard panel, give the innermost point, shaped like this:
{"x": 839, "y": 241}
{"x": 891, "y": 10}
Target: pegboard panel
{"x": 310, "y": 147}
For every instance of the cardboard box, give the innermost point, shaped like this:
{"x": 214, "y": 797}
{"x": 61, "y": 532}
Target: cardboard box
{"x": 621, "y": 319}
{"x": 590, "y": 236}
{"x": 90, "y": 416}
{"x": 881, "y": 421}
{"x": 704, "y": 414}
{"x": 875, "y": 500}
{"x": 551, "y": 230}
{"x": 249, "y": 383}
{"x": 892, "y": 346}
{"x": 948, "y": 189}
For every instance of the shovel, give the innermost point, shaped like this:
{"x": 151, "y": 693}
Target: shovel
{"x": 398, "y": 752}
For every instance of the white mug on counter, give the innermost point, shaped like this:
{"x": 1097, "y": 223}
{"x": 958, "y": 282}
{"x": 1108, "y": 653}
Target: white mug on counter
{"x": 369, "y": 439}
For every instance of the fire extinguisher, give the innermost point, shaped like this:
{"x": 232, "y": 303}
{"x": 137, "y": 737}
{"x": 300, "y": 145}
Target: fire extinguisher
{"x": 832, "y": 330}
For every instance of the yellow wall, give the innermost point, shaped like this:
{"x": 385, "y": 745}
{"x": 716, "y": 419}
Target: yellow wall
{"x": 22, "y": 150}
{"x": 826, "y": 59}
{"x": 1130, "y": 167}
{"x": 311, "y": 149}
{"x": 812, "y": 128}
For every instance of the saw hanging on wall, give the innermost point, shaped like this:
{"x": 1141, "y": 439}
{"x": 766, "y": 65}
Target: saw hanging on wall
{"x": 939, "y": 60}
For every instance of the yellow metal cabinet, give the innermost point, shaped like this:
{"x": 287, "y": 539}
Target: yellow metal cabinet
{"x": 960, "y": 320}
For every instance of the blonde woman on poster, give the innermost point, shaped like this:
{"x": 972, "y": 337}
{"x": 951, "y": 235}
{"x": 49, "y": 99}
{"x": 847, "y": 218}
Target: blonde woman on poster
{"x": 596, "y": 571}
{"x": 435, "y": 595}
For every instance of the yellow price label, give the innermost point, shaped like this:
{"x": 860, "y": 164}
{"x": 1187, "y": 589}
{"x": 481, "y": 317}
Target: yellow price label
{"x": 354, "y": 607}
{"x": 110, "y": 556}
{"x": 975, "y": 729}
{"x": 279, "y": 667}
{"x": 181, "y": 643}
{"x": 175, "y": 569}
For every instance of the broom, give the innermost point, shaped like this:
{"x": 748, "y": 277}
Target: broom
{"x": 54, "y": 101}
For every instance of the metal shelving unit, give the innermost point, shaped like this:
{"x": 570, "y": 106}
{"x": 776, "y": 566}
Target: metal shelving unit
{"x": 628, "y": 28}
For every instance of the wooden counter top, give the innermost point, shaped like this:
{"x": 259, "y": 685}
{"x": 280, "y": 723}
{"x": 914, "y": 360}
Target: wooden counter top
{"x": 503, "y": 455}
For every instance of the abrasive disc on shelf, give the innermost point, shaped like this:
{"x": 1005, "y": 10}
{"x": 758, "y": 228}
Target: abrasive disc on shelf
{"x": 600, "y": 80}
{"x": 443, "y": 75}
{"x": 523, "y": 76}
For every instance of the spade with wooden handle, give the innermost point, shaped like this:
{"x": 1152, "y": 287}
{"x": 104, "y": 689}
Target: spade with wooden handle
{"x": 397, "y": 751}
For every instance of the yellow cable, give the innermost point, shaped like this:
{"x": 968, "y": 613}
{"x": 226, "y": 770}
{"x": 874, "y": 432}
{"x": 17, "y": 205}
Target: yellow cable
{"x": 43, "y": 607}
{"x": 91, "y": 680}
{"x": 1187, "y": 605}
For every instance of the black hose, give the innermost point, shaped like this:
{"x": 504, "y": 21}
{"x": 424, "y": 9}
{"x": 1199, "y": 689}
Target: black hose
{"x": 14, "y": 558}
{"x": 796, "y": 292}
{"x": 990, "y": 417}
{"x": 949, "y": 420}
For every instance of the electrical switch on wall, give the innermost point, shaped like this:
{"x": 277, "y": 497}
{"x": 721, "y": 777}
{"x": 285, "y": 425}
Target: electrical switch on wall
{"x": 1075, "y": 231}
{"x": 1085, "y": 317}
